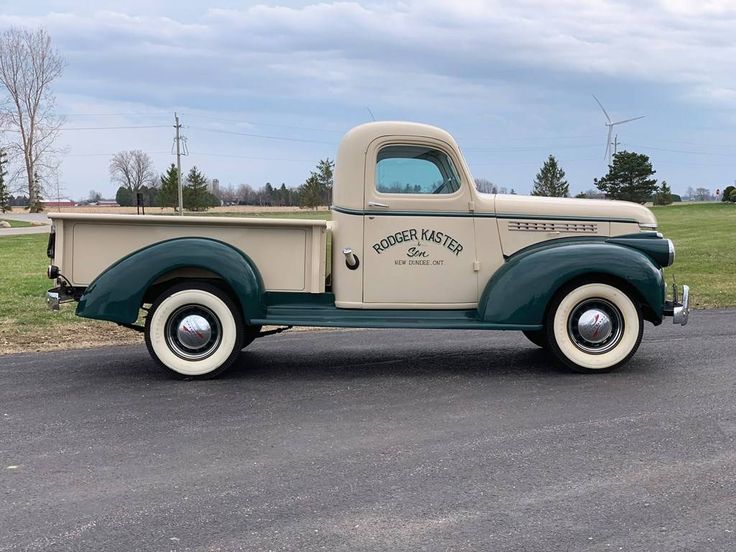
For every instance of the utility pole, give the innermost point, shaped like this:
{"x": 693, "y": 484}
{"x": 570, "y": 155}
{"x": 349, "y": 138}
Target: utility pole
{"x": 177, "y": 126}
{"x": 4, "y": 195}
{"x": 58, "y": 194}
{"x": 615, "y": 145}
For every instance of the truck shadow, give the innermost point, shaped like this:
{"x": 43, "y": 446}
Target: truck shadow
{"x": 290, "y": 365}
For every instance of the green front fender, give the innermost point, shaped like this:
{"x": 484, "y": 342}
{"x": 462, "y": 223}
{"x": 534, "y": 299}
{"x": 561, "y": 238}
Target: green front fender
{"x": 519, "y": 291}
{"x": 117, "y": 293}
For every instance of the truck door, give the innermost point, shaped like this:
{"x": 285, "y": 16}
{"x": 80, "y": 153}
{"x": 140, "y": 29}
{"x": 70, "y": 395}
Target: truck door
{"x": 418, "y": 227}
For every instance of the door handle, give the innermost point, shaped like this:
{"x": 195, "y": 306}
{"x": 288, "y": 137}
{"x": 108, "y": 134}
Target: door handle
{"x": 376, "y": 204}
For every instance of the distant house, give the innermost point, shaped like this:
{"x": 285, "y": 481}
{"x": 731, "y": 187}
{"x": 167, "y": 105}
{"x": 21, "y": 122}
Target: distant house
{"x": 107, "y": 203}
{"x": 61, "y": 202}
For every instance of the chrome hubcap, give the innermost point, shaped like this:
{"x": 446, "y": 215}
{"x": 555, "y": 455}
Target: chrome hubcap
{"x": 193, "y": 332}
{"x": 595, "y": 326}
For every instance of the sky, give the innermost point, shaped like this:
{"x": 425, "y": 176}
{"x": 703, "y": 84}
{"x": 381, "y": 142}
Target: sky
{"x": 266, "y": 90}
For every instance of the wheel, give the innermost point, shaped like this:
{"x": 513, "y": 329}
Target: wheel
{"x": 194, "y": 330}
{"x": 593, "y": 327}
{"x": 539, "y": 338}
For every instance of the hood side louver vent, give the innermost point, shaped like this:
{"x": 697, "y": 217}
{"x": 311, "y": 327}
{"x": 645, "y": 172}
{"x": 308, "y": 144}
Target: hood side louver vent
{"x": 568, "y": 227}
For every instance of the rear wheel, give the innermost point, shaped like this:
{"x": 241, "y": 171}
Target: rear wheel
{"x": 194, "y": 330}
{"x": 593, "y": 327}
{"x": 538, "y": 337}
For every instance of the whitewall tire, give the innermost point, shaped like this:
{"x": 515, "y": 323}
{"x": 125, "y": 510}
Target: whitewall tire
{"x": 593, "y": 327}
{"x": 194, "y": 330}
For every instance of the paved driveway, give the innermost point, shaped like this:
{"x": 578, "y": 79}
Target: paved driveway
{"x": 375, "y": 440}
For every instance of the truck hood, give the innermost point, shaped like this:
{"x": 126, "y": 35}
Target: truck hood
{"x": 550, "y": 207}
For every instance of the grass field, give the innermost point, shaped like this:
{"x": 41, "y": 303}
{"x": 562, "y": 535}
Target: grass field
{"x": 703, "y": 233}
{"x": 705, "y": 242}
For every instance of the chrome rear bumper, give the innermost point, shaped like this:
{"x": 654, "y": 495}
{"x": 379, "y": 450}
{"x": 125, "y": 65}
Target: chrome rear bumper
{"x": 52, "y": 300}
{"x": 62, "y": 294}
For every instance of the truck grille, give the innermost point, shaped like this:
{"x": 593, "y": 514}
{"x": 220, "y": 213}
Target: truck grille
{"x": 569, "y": 227}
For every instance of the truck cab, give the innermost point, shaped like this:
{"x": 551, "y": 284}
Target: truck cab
{"x": 414, "y": 245}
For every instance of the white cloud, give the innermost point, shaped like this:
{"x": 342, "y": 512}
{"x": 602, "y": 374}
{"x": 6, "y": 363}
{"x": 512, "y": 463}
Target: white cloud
{"x": 478, "y": 66}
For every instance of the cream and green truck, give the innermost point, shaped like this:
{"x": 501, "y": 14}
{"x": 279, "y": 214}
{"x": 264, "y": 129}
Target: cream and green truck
{"x": 413, "y": 245}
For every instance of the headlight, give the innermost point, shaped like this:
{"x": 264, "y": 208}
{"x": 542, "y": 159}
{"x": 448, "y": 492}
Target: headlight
{"x": 671, "y": 258}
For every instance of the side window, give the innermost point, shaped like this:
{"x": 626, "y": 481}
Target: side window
{"x": 415, "y": 170}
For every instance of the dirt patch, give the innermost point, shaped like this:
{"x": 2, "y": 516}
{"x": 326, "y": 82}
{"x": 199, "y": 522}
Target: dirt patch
{"x": 79, "y": 335}
{"x": 82, "y": 335}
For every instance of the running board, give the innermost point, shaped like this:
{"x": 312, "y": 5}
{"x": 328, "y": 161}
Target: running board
{"x": 331, "y": 316}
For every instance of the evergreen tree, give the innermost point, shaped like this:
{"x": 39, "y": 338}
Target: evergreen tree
{"x": 727, "y": 193}
{"x": 629, "y": 178}
{"x": 4, "y": 192}
{"x": 283, "y": 195}
{"x": 325, "y": 177}
{"x": 196, "y": 196}
{"x": 168, "y": 195}
{"x": 311, "y": 192}
{"x": 124, "y": 197}
{"x": 268, "y": 195}
{"x": 663, "y": 195}
{"x": 550, "y": 180}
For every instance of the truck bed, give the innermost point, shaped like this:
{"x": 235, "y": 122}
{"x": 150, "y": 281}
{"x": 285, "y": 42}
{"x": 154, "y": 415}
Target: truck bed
{"x": 290, "y": 253}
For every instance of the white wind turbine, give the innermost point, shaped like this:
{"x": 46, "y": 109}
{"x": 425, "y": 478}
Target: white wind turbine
{"x": 610, "y": 124}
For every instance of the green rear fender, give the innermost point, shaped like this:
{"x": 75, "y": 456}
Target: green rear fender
{"x": 519, "y": 292}
{"x": 117, "y": 293}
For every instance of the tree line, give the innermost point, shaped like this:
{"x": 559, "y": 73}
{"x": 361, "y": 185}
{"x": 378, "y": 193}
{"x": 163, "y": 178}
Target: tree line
{"x": 629, "y": 178}
{"x": 134, "y": 172}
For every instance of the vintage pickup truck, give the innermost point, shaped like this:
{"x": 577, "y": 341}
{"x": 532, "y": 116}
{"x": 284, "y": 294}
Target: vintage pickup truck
{"x": 414, "y": 245}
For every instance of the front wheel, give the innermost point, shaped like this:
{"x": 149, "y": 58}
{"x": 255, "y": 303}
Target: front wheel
{"x": 194, "y": 330}
{"x": 593, "y": 327}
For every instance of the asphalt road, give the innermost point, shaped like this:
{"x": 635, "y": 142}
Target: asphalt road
{"x": 39, "y": 218}
{"x": 375, "y": 440}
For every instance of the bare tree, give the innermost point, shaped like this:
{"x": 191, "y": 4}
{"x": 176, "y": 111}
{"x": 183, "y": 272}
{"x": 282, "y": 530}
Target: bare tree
{"x": 28, "y": 68}
{"x": 702, "y": 194}
{"x": 132, "y": 169}
{"x": 485, "y": 186}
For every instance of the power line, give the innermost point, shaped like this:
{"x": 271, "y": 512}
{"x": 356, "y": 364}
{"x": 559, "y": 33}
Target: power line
{"x": 521, "y": 149}
{"x": 237, "y": 156}
{"x": 264, "y": 136}
{"x": 111, "y": 154}
{"x": 114, "y": 127}
{"x": 160, "y": 114}
{"x": 692, "y": 152}
{"x": 253, "y": 123}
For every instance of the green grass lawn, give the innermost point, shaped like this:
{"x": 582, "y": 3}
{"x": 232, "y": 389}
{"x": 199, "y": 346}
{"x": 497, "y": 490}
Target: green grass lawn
{"x": 705, "y": 242}
{"x": 704, "y": 235}
{"x": 17, "y": 223}
{"x": 23, "y": 281}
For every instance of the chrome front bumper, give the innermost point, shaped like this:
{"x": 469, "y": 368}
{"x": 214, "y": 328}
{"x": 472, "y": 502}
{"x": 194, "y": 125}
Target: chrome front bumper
{"x": 682, "y": 311}
{"x": 678, "y": 310}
